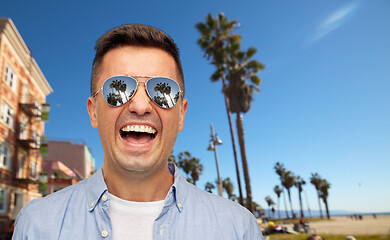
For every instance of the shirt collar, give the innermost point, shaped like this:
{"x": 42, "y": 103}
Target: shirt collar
{"x": 97, "y": 187}
{"x": 179, "y": 187}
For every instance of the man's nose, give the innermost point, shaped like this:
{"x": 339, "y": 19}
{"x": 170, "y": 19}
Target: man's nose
{"x": 140, "y": 103}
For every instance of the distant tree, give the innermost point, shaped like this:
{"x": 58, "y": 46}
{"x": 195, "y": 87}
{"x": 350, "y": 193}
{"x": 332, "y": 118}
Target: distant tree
{"x": 259, "y": 211}
{"x": 299, "y": 183}
{"x": 172, "y": 159}
{"x": 278, "y": 190}
{"x": 209, "y": 187}
{"x": 234, "y": 198}
{"x": 324, "y": 187}
{"x": 280, "y": 171}
{"x": 228, "y": 186}
{"x": 288, "y": 182}
{"x": 270, "y": 203}
{"x": 316, "y": 181}
{"x": 191, "y": 166}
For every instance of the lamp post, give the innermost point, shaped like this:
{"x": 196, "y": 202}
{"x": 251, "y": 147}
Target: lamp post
{"x": 214, "y": 141}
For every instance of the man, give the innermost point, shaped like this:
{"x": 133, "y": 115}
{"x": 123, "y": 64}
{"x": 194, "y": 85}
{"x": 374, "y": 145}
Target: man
{"x": 138, "y": 107}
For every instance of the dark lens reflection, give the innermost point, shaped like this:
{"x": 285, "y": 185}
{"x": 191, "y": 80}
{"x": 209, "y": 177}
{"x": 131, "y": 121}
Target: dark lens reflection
{"x": 118, "y": 90}
{"x": 164, "y": 92}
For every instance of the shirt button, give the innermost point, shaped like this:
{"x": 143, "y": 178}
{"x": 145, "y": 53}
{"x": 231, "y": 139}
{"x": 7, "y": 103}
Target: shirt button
{"x": 104, "y": 198}
{"x": 92, "y": 204}
{"x": 104, "y": 233}
{"x": 161, "y": 230}
{"x": 180, "y": 206}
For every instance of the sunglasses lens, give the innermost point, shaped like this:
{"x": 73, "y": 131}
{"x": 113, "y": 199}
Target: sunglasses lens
{"x": 118, "y": 90}
{"x": 164, "y": 92}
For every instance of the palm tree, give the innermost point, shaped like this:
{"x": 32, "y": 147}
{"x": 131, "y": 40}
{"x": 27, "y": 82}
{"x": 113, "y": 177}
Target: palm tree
{"x": 191, "y": 166}
{"x": 239, "y": 93}
{"x": 259, "y": 211}
{"x": 270, "y": 203}
{"x": 281, "y": 170}
{"x": 213, "y": 41}
{"x": 228, "y": 186}
{"x": 234, "y": 64}
{"x": 278, "y": 190}
{"x": 324, "y": 186}
{"x": 288, "y": 182}
{"x": 172, "y": 159}
{"x": 209, "y": 187}
{"x": 299, "y": 183}
{"x": 316, "y": 181}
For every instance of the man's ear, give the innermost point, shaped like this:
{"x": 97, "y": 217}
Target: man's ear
{"x": 183, "y": 111}
{"x": 91, "y": 106}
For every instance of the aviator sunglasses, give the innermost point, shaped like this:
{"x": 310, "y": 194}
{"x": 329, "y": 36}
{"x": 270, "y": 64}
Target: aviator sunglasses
{"x": 117, "y": 90}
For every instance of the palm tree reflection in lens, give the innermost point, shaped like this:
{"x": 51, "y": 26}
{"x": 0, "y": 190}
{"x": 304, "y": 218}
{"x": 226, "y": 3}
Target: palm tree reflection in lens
{"x": 166, "y": 90}
{"x": 118, "y": 97}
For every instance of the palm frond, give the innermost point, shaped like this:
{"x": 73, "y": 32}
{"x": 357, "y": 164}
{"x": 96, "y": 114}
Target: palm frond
{"x": 255, "y": 79}
{"x": 251, "y": 51}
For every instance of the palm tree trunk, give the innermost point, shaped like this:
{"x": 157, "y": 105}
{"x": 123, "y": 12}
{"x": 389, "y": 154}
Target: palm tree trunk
{"x": 326, "y": 207}
{"x": 279, "y": 207}
{"x": 289, "y": 198}
{"x": 300, "y": 204}
{"x": 319, "y": 203}
{"x": 285, "y": 204}
{"x": 241, "y": 141}
{"x": 241, "y": 201}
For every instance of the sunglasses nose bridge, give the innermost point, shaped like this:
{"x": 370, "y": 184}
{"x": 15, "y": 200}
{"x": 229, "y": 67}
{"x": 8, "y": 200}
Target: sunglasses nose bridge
{"x": 140, "y": 102}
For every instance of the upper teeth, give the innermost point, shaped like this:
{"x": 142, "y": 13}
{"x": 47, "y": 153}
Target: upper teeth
{"x": 138, "y": 128}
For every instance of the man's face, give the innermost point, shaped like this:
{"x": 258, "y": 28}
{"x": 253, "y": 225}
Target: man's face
{"x": 137, "y": 154}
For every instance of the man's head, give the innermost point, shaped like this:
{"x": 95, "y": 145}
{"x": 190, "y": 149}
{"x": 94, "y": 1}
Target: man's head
{"x": 137, "y": 136}
{"x": 134, "y": 35}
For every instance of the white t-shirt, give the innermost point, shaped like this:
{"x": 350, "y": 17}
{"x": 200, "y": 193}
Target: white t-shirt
{"x": 133, "y": 220}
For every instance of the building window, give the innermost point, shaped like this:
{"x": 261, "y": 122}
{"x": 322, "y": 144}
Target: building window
{"x": 34, "y": 170}
{"x": 7, "y": 115}
{"x": 25, "y": 94}
{"x": 10, "y": 77}
{"x": 23, "y": 128}
{"x": 22, "y": 159}
{"x": 3, "y": 200}
{"x": 36, "y": 139}
{"x": 5, "y": 155}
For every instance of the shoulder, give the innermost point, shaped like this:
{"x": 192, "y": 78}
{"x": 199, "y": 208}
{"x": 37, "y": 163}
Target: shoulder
{"x": 225, "y": 212}
{"x": 220, "y": 205}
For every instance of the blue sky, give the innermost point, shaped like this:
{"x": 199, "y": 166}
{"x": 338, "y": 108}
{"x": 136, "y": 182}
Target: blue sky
{"x": 323, "y": 105}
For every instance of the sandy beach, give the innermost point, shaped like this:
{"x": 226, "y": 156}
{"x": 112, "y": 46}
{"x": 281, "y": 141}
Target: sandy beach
{"x": 345, "y": 225}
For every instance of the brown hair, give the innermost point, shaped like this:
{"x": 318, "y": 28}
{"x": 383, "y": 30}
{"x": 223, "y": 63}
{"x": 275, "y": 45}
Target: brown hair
{"x": 134, "y": 35}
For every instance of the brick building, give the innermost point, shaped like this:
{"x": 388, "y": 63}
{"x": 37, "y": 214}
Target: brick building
{"x": 23, "y": 91}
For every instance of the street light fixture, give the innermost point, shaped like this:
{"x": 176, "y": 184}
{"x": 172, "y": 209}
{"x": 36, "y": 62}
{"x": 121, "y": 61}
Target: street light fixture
{"x": 214, "y": 141}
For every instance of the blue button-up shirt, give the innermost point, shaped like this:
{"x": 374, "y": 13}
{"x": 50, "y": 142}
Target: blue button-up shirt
{"x": 81, "y": 212}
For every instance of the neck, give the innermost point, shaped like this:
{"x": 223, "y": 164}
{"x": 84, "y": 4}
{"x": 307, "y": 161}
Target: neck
{"x": 130, "y": 186}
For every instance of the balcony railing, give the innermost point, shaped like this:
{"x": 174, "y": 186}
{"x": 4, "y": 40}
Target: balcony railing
{"x": 32, "y": 142}
{"x": 32, "y": 110}
{"x": 27, "y": 175}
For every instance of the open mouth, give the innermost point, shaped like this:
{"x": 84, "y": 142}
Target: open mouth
{"x": 138, "y": 133}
